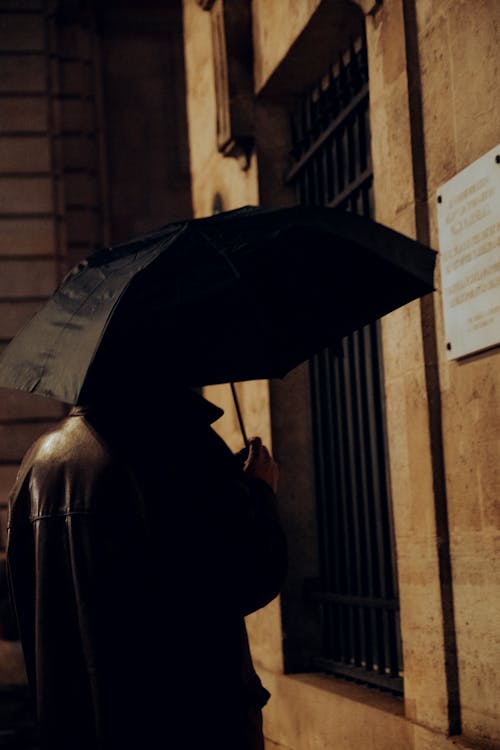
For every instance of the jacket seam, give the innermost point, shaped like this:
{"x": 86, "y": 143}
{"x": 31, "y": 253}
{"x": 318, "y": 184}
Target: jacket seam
{"x": 63, "y": 514}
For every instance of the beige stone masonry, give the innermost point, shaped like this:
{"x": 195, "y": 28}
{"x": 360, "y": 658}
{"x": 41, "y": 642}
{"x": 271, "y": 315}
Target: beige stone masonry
{"x": 426, "y": 696}
{"x": 458, "y": 54}
{"x": 460, "y": 64}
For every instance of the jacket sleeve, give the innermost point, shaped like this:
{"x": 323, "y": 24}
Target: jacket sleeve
{"x": 252, "y": 549}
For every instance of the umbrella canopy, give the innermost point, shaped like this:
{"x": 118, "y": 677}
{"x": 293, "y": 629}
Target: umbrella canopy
{"x": 241, "y": 295}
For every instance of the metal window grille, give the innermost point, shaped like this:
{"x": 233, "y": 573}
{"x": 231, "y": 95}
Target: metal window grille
{"x": 357, "y": 595}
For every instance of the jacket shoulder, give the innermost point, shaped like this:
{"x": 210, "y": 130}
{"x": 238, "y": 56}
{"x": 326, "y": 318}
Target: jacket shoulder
{"x": 71, "y": 445}
{"x": 69, "y": 470}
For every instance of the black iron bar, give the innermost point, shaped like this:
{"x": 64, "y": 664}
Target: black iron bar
{"x": 358, "y": 603}
{"x": 335, "y": 559}
{"x": 351, "y": 499}
{"x": 321, "y": 507}
{"x": 390, "y": 547}
{"x": 347, "y": 613}
{"x": 329, "y": 488}
{"x": 334, "y": 125}
{"x": 346, "y": 192}
{"x": 332, "y": 535}
{"x": 373, "y": 434}
{"x": 361, "y": 374}
{"x": 393, "y": 684}
{"x": 320, "y": 468}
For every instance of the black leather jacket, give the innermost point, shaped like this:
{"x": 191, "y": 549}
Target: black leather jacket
{"x": 136, "y": 545}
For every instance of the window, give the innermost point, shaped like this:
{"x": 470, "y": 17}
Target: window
{"x": 356, "y": 594}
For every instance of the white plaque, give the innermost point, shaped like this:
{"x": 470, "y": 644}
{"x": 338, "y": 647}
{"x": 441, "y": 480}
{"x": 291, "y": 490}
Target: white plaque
{"x": 469, "y": 244}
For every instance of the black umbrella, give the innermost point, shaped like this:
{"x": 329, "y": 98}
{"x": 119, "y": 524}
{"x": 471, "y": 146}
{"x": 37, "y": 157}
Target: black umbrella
{"x": 241, "y": 295}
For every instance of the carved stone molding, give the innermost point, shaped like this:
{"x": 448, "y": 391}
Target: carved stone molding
{"x": 233, "y": 73}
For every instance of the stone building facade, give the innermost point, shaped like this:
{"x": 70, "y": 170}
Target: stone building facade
{"x": 119, "y": 117}
{"x": 432, "y": 71}
{"x": 93, "y": 150}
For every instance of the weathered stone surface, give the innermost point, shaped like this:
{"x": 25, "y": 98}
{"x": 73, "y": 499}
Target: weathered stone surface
{"x": 13, "y": 315}
{"x": 458, "y": 126}
{"x": 26, "y": 236}
{"x": 27, "y": 278}
{"x": 275, "y": 27}
{"x": 458, "y": 43}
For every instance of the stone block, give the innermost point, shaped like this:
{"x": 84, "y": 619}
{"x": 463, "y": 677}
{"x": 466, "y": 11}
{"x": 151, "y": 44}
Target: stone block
{"x": 75, "y": 41}
{"x": 402, "y": 341}
{"x": 13, "y": 315}
{"x": 31, "y": 195}
{"x": 488, "y": 477}
{"x": 15, "y": 439}
{"x": 20, "y": 405}
{"x": 26, "y": 236}
{"x": 265, "y": 638}
{"x": 75, "y": 77}
{"x": 22, "y": 32}
{"x": 77, "y": 114}
{"x": 25, "y": 154}
{"x": 82, "y": 226}
{"x": 78, "y": 151}
{"x": 324, "y": 712}
{"x": 26, "y": 114}
{"x": 77, "y": 252}
{"x": 23, "y": 75}
{"x": 438, "y": 101}
{"x": 390, "y": 135}
{"x": 7, "y": 478}
{"x": 81, "y": 189}
{"x": 27, "y": 278}
{"x": 474, "y": 40}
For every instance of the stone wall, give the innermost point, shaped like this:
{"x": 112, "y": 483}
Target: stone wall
{"x": 93, "y": 149}
{"x": 460, "y": 63}
{"x": 433, "y": 110}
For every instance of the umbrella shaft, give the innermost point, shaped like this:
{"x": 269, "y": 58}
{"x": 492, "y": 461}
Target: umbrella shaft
{"x": 238, "y": 412}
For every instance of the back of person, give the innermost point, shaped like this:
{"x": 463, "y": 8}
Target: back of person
{"x": 133, "y": 561}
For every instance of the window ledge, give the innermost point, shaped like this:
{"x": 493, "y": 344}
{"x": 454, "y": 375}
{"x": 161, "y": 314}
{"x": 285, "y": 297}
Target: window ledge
{"x": 361, "y": 694}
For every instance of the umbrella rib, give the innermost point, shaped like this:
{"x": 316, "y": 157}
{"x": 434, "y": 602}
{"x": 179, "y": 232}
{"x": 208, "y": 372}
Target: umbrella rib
{"x": 221, "y": 253}
{"x": 67, "y": 323}
{"x": 87, "y": 297}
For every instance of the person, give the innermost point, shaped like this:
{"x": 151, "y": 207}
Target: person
{"x": 137, "y": 544}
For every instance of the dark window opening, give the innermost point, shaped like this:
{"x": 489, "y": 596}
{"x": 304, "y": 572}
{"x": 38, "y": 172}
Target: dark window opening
{"x": 356, "y": 596}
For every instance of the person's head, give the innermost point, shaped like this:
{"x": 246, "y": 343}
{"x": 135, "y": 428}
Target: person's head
{"x": 131, "y": 372}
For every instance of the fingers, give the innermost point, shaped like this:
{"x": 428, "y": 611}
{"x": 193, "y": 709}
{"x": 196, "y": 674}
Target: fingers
{"x": 257, "y": 451}
{"x": 253, "y": 448}
{"x": 261, "y": 464}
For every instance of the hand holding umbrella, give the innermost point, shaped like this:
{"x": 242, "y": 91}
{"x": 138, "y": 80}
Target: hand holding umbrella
{"x": 261, "y": 465}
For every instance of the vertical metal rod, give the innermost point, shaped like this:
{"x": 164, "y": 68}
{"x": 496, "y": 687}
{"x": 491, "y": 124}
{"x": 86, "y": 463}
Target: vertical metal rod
{"x": 365, "y": 473}
{"x": 343, "y": 508}
{"x": 240, "y": 417}
{"x": 328, "y": 634}
{"x": 385, "y": 536}
{"x": 372, "y": 447}
{"x": 335, "y": 560}
{"x": 354, "y": 514}
{"x": 390, "y": 546}
{"x": 354, "y": 440}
